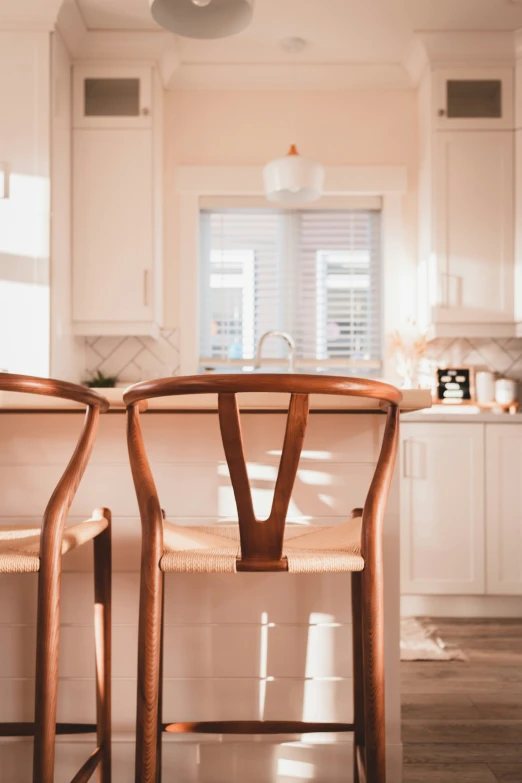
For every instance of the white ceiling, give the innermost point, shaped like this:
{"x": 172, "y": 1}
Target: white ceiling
{"x": 338, "y": 31}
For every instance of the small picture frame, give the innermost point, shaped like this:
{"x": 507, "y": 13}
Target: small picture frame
{"x": 454, "y": 385}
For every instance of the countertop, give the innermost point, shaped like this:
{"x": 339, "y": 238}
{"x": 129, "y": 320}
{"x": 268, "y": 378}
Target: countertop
{"x": 413, "y": 400}
{"x": 469, "y": 414}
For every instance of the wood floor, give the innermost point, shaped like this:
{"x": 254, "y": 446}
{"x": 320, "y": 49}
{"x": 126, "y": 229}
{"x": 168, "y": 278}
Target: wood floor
{"x": 462, "y": 722}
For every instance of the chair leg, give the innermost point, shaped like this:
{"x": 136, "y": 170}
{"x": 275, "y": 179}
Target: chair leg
{"x": 149, "y": 636}
{"x": 160, "y": 694}
{"x": 46, "y": 682}
{"x": 102, "y": 636}
{"x": 373, "y": 664}
{"x": 358, "y": 674}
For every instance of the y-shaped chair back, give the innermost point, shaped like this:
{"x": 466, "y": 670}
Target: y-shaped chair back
{"x": 262, "y": 540}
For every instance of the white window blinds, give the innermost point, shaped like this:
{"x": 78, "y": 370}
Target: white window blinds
{"x": 314, "y": 274}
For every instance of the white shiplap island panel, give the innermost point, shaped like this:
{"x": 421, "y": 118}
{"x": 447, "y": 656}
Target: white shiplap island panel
{"x": 243, "y": 646}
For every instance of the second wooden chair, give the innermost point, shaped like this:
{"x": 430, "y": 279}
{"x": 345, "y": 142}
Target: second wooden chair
{"x": 40, "y": 550}
{"x": 353, "y": 547}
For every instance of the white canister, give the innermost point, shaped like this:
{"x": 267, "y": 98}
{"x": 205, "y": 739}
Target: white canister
{"x": 505, "y": 391}
{"x": 485, "y": 387}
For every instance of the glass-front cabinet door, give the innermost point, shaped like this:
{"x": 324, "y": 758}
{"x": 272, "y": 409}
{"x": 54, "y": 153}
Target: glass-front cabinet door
{"x": 112, "y": 97}
{"x": 473, "y": 99}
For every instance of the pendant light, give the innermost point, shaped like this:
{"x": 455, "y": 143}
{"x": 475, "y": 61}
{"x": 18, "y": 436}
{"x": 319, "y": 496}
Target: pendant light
{"x": 293, "y": 179}
{"x": 203, "y": 18}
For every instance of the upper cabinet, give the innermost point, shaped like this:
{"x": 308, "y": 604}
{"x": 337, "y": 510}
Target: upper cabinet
{"x": 117, "y": 201}
{"x": 473, "y": 99}
{"x": 473, "y": 227}
{"x": 466, "y": 197}
{"x": 112, "y": 97}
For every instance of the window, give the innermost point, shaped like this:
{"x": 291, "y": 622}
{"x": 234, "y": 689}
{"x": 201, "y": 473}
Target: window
{"x": 314, "y": 274}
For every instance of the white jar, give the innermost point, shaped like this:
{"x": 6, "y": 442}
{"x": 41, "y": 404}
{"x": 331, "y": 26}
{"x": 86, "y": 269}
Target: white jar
{"x": 505, "y": 391}
{"x": 485, "y": 387}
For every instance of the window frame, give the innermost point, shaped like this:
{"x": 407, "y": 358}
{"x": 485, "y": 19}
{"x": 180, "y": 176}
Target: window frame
{"x": 287, "y": 228}
{"x": 195, "y": 185}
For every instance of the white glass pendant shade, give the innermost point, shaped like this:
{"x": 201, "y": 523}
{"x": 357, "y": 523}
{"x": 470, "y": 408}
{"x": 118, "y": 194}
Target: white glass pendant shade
{"x": 293, "y": 179}
{"x": 203, "y": 18}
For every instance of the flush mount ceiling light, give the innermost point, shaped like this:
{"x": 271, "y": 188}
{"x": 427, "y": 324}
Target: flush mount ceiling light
{"x": 293, "y": 44}
{"x": 293, "y": 179}
{"x": 203, "y": 18}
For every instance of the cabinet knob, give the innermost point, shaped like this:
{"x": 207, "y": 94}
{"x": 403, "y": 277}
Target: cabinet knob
{"x": 145, "y": 112}
{"x": 441, "y": 112}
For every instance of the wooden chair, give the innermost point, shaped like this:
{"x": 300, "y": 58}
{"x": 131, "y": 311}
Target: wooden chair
{"x": 354, "y": 546}
{"x": 24, "y": 550}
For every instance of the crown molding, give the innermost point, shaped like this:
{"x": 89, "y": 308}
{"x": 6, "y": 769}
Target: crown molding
{"x": 518, "y": 43}
{"x": 415, "y": 60}
{"x": 463, "y": 48}
{"x": 158, "y": 46}
{"x": 38, "y": 15}
{"x": 279, "y": 76}
{"x": 71, "y": 26}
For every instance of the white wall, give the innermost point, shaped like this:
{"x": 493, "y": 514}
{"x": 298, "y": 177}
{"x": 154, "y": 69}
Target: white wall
{"x": 242, "y": 128}
{"x": 25, "y": 209}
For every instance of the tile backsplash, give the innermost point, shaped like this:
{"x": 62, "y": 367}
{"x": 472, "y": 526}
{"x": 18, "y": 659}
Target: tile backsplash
{"x": 133, "y": 359}
{"x": 501, "y": 356}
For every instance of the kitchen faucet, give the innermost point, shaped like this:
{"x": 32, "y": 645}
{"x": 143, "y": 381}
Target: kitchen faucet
{"x": 285, "y": 336}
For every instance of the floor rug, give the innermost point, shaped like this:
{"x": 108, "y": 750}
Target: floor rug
{"x": 420, "y": 641}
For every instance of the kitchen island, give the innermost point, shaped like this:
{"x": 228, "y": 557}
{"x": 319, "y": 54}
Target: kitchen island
{"x": 245, "y": 646}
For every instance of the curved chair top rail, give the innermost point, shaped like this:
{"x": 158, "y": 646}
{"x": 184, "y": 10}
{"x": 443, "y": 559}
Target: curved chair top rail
{"x": 262, "y": 540}
{"x": 262, "y": 382}
{"x": 53, "y": 388}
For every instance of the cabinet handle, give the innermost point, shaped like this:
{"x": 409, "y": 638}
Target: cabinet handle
{"x": 445, "y": 289}
{"x": 406, "y": 459}
{"x": 146, "y": 287}
{"x": 4, "y": 168}
{"x": 441, "y": 112}
{"x": 446, "y": 279}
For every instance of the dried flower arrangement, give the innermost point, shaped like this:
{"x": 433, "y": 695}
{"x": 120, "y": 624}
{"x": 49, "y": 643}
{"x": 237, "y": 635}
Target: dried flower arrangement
{"x": 409, "y": 348}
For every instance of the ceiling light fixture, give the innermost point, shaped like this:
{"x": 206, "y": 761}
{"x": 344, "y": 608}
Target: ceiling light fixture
{"x": 293, "y": 44}
{"x": 293, "y": 179}
{"x": 203, "y": 18}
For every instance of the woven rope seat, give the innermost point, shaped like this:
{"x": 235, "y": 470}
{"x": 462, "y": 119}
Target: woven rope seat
{"x": 20, "y": 546}
{"x": 309, "y": 550}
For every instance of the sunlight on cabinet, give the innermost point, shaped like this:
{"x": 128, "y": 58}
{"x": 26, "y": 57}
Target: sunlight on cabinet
{"x": 442, "y": 509}
{"x": 117, "y": 201}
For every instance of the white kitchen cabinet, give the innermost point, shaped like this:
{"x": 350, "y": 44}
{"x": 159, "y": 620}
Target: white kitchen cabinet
{"x": 117, "y": 230}
{"x": 442, "y": 509}
{"x": 466, "y": 268}
{"x": 473, "y": 99}
{"x": 112, "y": 218}
{"x": 473, "y": 231}
{"x": 112, "y": 96}
{"x": 504, "y": 509}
